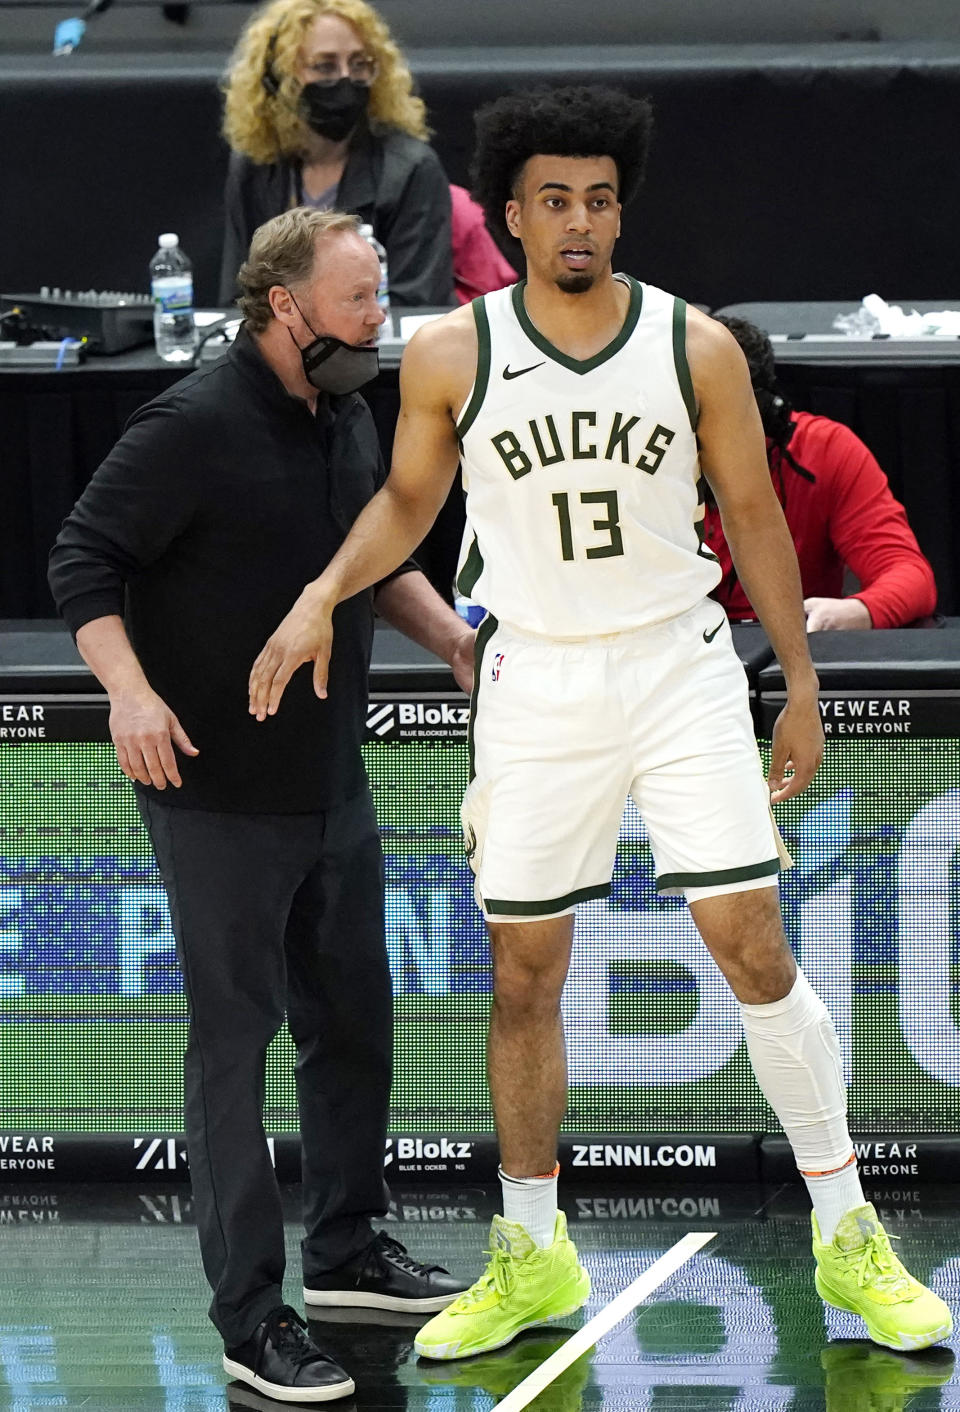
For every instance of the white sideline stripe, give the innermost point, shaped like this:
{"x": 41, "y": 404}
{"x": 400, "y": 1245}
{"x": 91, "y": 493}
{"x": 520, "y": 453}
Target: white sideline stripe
{"x": 601, "y": 1323}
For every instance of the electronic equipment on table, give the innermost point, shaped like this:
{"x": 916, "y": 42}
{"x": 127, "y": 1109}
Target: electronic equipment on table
{"x": 107, "y": 321}
{"x": 42, "y": 354}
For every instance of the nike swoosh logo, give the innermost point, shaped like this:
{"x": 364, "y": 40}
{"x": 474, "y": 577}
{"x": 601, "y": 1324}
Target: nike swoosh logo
{"x": 709, "y": 636}
{"x": 508, "y": 375}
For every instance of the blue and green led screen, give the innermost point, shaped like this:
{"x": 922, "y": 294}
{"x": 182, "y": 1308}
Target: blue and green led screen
{"x": 93, "y": 1014}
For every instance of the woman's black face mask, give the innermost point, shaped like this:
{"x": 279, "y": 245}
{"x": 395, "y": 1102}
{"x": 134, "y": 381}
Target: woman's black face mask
{"x": 330, "y": 365}
{"x": 333, "y": 109}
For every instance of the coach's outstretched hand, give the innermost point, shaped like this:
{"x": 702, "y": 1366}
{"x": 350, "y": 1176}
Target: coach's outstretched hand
{"x": 304, "y": 635}
{"x": 797, "y": 749}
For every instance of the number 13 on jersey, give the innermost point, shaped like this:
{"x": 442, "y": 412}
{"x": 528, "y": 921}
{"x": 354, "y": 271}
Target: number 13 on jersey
{"x": 611, "y": 525}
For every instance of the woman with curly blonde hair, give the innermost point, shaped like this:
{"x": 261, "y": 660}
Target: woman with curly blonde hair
{"x": 320, "y": 112}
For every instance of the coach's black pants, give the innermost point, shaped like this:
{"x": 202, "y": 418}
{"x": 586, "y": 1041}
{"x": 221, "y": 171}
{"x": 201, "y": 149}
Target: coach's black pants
{"x": 279, "y": 914}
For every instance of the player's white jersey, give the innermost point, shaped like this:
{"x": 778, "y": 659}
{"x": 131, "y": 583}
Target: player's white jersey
{"x": 584, "y": 499}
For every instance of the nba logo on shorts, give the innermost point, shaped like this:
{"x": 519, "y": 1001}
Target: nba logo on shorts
{"x": 495, "y": 668}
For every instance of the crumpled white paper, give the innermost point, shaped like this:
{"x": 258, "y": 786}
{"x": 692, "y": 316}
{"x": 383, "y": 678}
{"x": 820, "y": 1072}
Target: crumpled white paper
{"x": 875, "y": 315}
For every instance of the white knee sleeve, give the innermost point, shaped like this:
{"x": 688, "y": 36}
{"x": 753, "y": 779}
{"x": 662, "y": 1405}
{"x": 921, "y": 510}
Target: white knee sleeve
{"x": 796, "y": 1057}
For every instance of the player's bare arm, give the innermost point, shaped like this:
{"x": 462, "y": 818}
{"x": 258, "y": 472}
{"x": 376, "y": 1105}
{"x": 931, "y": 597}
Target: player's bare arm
{"x": 733, "y": 458}
{"x": 436, "y": 375}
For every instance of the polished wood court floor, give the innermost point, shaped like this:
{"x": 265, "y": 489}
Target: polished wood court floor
{"x": 102, "y": 1307}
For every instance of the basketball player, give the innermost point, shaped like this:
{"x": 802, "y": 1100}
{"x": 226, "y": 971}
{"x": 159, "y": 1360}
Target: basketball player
{"x": 583, "y": 405}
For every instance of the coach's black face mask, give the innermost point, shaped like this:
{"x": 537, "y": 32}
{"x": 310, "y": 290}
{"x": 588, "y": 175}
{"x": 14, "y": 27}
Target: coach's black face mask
{"x": 330, "y": 365}
{"x": 333, "y": 109}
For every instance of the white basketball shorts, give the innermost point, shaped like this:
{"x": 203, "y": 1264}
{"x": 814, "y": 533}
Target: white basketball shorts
{"x": 563, "y": 731}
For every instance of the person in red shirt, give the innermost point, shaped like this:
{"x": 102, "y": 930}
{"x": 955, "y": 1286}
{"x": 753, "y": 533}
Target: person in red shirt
{"x": 840, "y": 511}
{"x": 479, "y": 266}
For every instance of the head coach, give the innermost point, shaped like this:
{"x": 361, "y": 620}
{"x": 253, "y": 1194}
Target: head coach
{"x": 223, "y": 496}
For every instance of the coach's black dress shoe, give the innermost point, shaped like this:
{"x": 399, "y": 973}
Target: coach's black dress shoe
{"x": 384, "y": 1276}
{"x": 281, "y": 1360}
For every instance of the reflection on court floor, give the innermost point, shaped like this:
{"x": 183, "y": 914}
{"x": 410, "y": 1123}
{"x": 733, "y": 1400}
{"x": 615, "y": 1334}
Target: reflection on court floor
{"x": 102, "y": 1307}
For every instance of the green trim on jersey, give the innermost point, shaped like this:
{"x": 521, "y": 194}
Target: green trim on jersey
{"x": 483, "y": 368}
{"x": 471, "y": 571}
{"x": 552, "y": 904}
{"x": 703, "y": 549}
{"x": 681, "y": 364}
{"x": 484, "y": 633}
{"x": 700, "y": 524}
{"x": 724, "y": 875}
{"x": 579, "y": 365}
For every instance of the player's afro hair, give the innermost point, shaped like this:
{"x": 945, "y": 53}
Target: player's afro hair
{"x": 587, "y": 121}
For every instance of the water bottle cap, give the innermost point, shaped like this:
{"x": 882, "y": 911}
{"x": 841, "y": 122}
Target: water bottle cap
{"x": 168, "y": 240}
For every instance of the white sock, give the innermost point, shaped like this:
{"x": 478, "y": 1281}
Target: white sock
{"x": 796, "y": 1057}
{"x": 834, "y": 1194}
{"x": 532, "y": 1203}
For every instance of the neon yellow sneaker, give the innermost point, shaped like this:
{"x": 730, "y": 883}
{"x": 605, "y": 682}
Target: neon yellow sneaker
{"x": 859, "y": 1272}
{"x": 859, "y": 1377}
{"x": 522, "y": 1287}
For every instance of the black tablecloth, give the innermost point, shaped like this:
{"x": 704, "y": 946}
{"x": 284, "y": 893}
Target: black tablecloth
{"x": 910, "y": 419}
{"x": 57, "y": 427}
{"x": 902, "y": 397}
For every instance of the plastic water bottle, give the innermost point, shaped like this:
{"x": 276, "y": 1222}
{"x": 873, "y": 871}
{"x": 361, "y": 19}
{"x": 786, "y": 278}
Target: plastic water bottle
{"x": 383, "y": 289}
{"x": 171, "y": 288}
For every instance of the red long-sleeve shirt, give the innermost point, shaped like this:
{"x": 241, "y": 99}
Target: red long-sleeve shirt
{"x": 479, "y": 267}
{"x": 846, "y": 515}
